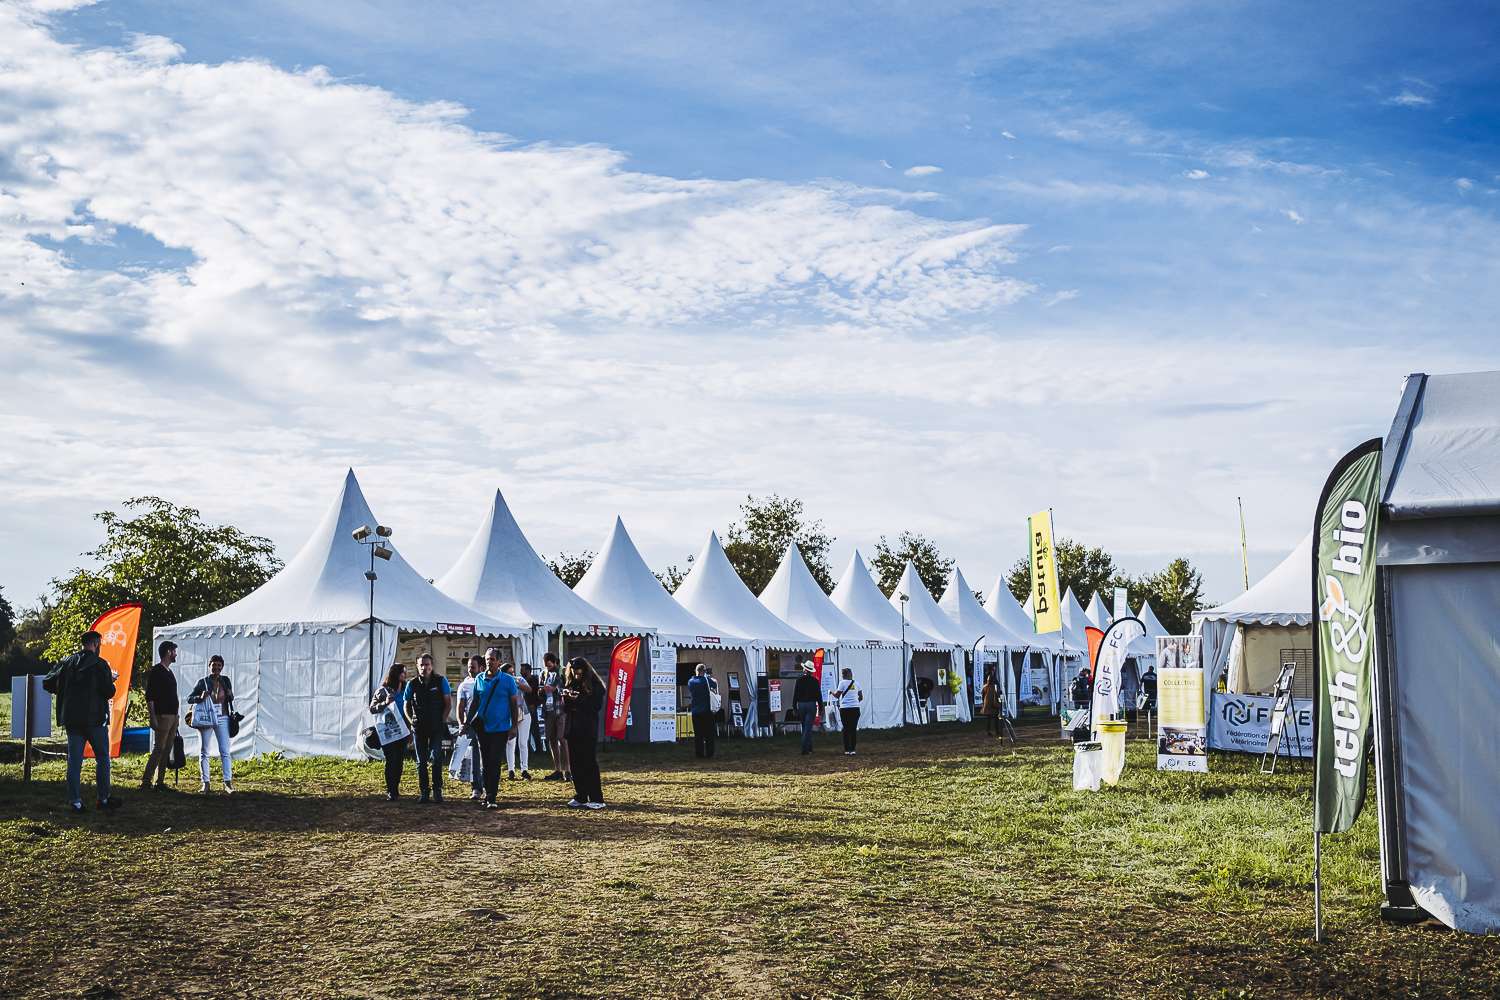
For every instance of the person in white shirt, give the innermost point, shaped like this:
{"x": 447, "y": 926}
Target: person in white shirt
{"x": 465, "y": 706}
{"x": 848, "y": 696}
{"x": 519, "y": 743}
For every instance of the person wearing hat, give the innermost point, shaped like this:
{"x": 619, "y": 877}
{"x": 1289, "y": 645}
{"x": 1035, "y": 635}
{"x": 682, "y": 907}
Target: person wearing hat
{"x": 807, "y": 696}
{"x": 700, "y": 703}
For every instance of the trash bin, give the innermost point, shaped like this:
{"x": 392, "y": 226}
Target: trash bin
{"x": 1112, "y": 739}
{"x": 136, "y": 739}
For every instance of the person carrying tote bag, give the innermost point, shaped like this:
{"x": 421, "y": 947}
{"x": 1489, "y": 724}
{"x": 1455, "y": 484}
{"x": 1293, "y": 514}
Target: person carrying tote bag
{"x": 848, "y": 696}
{"x": 212, "y": 701}
{"x": 391, "y": 727}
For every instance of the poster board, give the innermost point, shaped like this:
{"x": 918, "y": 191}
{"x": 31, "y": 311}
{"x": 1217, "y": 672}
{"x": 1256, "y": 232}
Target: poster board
{"x": 775, "y": 697}
{"x": 1181, "y": 729}
{"x": 663, "y": 692}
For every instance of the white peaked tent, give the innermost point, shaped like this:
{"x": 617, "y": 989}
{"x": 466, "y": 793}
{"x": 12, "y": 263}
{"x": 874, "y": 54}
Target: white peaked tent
{"x": 1074, "y": 621}
{"x": 875, "y": 660}
{"x": 1244, "y": 640}
{"x": 621, "y": 584}
{"x": 500, "y": 574}
{"x": 996, "y": 641}
{"x": 297, "y": 649}
{"x": 1099, "y": 612}
{"x": 714, "y": 592}
{"x": 925, "y": 613}
{"x": 1148, "y": 618}
{"x": 1036, "y": 667}
{"x": 859, "y": 597}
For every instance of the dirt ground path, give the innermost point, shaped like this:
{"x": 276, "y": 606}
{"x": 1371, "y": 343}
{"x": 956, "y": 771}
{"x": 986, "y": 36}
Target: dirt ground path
{"x": 933, "y": 863}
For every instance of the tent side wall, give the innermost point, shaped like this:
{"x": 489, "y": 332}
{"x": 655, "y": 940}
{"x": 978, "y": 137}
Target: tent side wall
{"x": 1447, "y": 738}
{"x": 301, "y": 693}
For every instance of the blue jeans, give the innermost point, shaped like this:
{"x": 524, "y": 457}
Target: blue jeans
{"x": 806, "y": 712}
{"x": 98, "y": 738}
{"x": 430, "y": 757}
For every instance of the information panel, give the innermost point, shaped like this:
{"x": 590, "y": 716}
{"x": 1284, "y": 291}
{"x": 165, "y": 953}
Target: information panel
{"x": 663, "y": 692}
{"x": 1182, "y": 731}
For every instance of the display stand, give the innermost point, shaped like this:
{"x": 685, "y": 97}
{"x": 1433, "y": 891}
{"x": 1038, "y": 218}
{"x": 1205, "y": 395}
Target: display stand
{"x": 1281, "y": 738}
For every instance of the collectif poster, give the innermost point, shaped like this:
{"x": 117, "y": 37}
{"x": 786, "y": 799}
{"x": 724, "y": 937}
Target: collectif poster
{"x": 1182, "y": 730}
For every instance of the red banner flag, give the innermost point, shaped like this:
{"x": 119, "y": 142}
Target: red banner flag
{"x": 621, "y": 680}
{"x": 118, "y": 628}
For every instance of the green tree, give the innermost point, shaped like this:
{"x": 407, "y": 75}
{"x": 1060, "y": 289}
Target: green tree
{"x": 7, "y": 624}
{"x": 673, "y": 575}
{"x": 24, "y": 654}
{"x": 570, "y": 566}
{"x": 1175, "y": 593}
{"x": 889, "y": 562}
{"x": 767, "y": 525}
{"x": 1086, "y": 569}
{"x": 167, "y": 558}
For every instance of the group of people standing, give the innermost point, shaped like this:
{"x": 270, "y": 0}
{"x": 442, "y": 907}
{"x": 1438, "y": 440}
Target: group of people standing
{"x": 497, "y": 708}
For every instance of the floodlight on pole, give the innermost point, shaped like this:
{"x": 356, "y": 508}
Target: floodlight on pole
{"x": 378, "y": 550}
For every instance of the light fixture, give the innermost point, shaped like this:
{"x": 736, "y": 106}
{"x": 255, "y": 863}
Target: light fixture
{"x": 361, "y": 533}
{"x": 382, "y": 531}
{"x": 381, "y": 551}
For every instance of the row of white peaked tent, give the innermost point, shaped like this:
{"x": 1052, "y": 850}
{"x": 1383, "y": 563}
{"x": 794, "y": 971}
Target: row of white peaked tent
{"x": 299, "y": 648}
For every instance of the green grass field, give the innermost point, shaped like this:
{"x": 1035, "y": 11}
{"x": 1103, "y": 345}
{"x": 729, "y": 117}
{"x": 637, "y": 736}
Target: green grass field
{"x": 934, "y": 863}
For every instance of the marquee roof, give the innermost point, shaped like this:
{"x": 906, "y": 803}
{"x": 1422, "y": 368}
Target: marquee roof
{"x": 963, "y": 608}
{"x": 1281, "y": 597}
{"x": 924, "y": 611}
{"x": 714, "y": 592}
{"x": 620, "y": 583}
{"x": 1004, "y": 608}
{"x": 323, "y": 587}
{"x": 858, "y": 596}
{"x": 795, "y": 597}
{"x": 501, "y": 574}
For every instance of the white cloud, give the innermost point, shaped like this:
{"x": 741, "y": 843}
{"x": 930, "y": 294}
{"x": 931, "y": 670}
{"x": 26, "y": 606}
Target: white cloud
{"x": 1410, "y": 99}
{"x": 1464, "y": 184}
{"x": 1196, "y": 175}
{"x": 886, "y": 164}
{"x": 1066, "y": 295}
{"x": 1007, "y": 134}
{"x": 1295, "y": 216}
{"x": 923, "y": 171}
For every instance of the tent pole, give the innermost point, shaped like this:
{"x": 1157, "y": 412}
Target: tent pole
{"x": 1317, "y": 886}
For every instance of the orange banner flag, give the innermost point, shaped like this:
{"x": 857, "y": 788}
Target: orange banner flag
{"x": 119, "y": 628}
{"x": 1095, "y": 637}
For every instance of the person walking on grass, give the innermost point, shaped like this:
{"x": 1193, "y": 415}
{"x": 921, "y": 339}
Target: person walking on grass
{"x": 392, "y": 692}
{"x": 582, "y": 698}
{"x": 497, "y": 704}
{"x": 807, "y": 695}
{"x": 84, "y": 685}
{"x": 533, "y": 707}
{"x": 161, "y": 707}
{"x": 518, "y": 744}
{"x": 428, "y": 700}
{"x": 465, "y": 709}
{"x": 701, "y": 686}
{"x": 215, "y": 691}
{"x": 555, "y": 719}
{"x": 989, "y": 704}
{"x": 847, "y": 695}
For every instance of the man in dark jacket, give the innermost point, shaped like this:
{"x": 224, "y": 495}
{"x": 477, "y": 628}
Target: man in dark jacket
{"x": 84, "y": 685}
{"x": 807, "y": 696}
{"x": 700, "y": 702}
{"x": 429, "y": 698}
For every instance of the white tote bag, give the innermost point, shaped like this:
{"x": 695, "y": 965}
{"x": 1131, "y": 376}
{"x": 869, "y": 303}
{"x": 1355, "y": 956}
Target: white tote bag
{"x": 390, "y": 727}
{"x": 461, "y": 764}
{"x": 1088, "y": 766}
{"x": 715, "y": 700}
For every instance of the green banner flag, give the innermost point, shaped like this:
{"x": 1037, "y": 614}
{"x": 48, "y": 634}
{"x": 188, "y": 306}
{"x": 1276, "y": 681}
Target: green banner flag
{"x": 1344, "y": 647}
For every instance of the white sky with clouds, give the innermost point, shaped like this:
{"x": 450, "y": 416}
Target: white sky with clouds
{"x": 225, "y": 281}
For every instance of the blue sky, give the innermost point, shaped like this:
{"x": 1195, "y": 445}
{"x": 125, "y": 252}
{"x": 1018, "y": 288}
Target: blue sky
{"x": 928, "y": 267}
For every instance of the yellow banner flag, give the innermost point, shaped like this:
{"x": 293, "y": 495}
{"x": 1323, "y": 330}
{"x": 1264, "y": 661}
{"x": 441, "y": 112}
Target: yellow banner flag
{"x": 118, "y": 628}
{"x": 1046, "y": 608}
